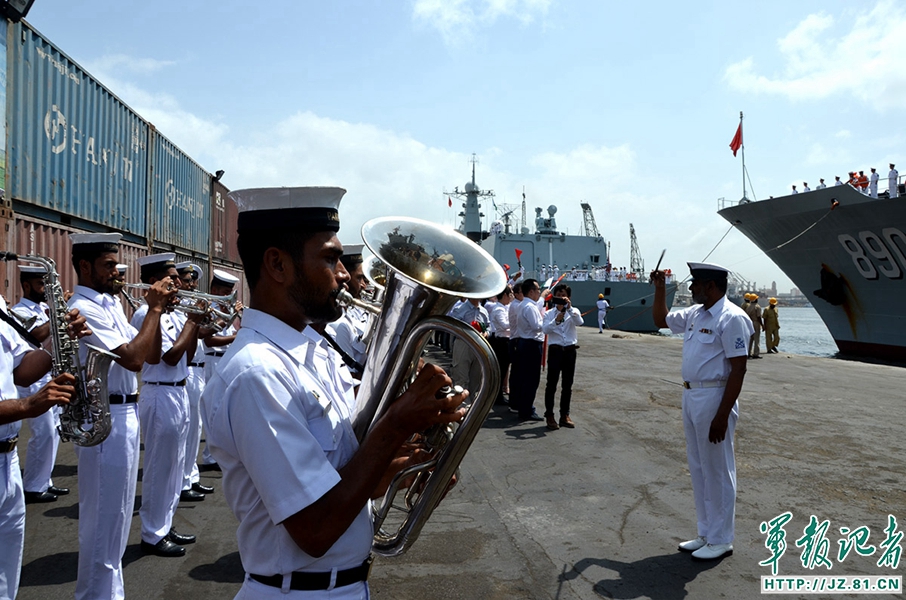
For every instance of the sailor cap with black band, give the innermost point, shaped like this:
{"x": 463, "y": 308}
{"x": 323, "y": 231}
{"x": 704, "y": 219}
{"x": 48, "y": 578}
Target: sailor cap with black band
{"x": 155, "y": 263}
{"x": 223, "y": 279}
{"x": 188, "y": 265}
{"x": 121, "y": 268}
{"x": 31, "y": 272}
{"x": 89, "y": 243}
{"x": 305, "y": 209}
{"x": 352, "y": 255}
{"x": 707, "y": 271}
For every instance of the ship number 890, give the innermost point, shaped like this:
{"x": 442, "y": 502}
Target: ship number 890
{"x": 886, "y": 255}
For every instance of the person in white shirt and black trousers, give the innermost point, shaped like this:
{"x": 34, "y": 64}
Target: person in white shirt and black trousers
{"x": 560, "y": 327}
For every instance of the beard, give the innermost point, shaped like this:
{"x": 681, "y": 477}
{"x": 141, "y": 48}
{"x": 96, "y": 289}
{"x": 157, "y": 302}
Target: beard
{"x": 103, "y": 283}
{"x": 318, "y": 306}
{"x": 36, "y": 297}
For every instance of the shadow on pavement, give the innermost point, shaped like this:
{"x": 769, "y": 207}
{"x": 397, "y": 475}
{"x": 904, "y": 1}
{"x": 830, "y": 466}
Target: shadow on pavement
{"x": 226, "y": 569}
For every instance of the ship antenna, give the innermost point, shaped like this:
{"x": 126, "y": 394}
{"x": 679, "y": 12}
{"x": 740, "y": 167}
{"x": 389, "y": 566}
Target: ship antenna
{"x": 742, "y": 146}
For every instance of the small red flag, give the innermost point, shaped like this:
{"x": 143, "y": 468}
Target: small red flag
{"x": 518, "y": 254}
{"x": 450, "y": 200}
{"x": 736, "y": 144}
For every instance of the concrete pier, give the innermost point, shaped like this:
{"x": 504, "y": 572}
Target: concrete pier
{"x": 592, "y": 512}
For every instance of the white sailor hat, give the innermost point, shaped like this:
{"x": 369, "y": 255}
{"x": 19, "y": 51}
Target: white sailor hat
{"x": 122, "y": 268}
{"x": 188, "y": 265}
{"x": 223, "y": 278}
{"x": 298, "y": 208}
{"x": 352, "y": 255}
{"x": 705, "y": 271}
{"x": 154, "y": 263}
{"x": 103, "y": 242}
{"x": 29, "y": 271}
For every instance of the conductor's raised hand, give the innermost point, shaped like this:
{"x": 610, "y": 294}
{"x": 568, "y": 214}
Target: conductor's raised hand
{"x": 658, "y": 278}
{"x": 420, "y": 407}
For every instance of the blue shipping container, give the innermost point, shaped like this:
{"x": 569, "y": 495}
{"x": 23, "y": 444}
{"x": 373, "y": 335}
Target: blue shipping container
{"x": 180, "y": 198}
{"x": 73, "y": 146}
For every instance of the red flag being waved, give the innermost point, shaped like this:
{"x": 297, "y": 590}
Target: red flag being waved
{"x": 450, "y": 200}
{"x": 736, "y": 144}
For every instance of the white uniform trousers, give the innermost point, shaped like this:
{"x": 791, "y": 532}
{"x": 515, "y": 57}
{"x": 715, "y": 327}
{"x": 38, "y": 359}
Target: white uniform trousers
{"x": 210, "y": 363}
{"x": 12, "y": 524}
{"x": 42, "y": 451}
{"x": 165, "y": 422}
{"x": 107, "y": 478}
{"x": 466, "y": 370}
{"x": 194, "y": 388}
{"x": 712, "y": 466}
{"x": 254, "y": 590}
{"x": 602, "y": 317}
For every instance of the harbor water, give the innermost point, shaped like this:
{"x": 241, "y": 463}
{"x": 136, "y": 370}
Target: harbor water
{"x": 801, "y": 332}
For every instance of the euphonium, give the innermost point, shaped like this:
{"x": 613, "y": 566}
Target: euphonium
{"x": 428, "y": 267}
{"x": 85, "y": 421}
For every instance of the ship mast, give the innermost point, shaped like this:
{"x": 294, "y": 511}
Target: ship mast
{"x": 636, "y": 263}
{"x": 742, "y": 147}
{"x": 472, "y": 215}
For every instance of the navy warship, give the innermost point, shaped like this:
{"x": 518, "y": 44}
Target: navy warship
{"x": 846, "y": 252}
{"x": 583, "y": 261}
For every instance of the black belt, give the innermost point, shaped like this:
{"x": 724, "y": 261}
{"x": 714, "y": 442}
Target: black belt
{"x": 215, "y": 353}
{"x": 570, "y": 347}
{"x": 121, "y": 399}
{"x": 8, "y": 445}
{"x": 318, "y": 581}
{"x": 170, "y": 383}
{"x": 196, "y": 364}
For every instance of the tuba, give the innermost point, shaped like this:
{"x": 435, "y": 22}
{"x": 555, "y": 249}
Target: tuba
{"x": 85, "y": 421}
{"x": 427, "y": 268}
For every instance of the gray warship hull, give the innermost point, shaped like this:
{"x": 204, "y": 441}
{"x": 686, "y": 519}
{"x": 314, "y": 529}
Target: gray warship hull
{"x": 848, "y": 259}
{"x": 631, "y": 301}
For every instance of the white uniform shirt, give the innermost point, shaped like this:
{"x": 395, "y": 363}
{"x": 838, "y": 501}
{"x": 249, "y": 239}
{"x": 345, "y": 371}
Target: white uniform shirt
{"x": 513, "y": 313}
{"x": 602, "y": 305}
{"x": 562, "y": 334}
{"x": 892, "y": 182}
{"x": 349, "y": 330}
{"x": 170, "y": 327}
{"x": 28, "y": 308}
{"x": 11, "y": 353}
{"x": 838, "y": 182}
{"x": 109, "y": 331}
{"x": 712, "y": 337}
{"x": 280, "y": 434}
{"x": 500, "y": 320}
{"x": 528, "y": 322}
{"x": 467, "y": 313}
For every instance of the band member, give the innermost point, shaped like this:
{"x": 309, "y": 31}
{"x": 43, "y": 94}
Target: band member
{"x": 192, "y": 489}
{"x": 280, "y": 426}
{"x": 108, "y": 471}
{"x": 349, "y": 330}
{"x": 222, "y": 284}
{"x": 164, "y": 411}
{"x": 44, "y": 440}
{"x": 21, "y": 365}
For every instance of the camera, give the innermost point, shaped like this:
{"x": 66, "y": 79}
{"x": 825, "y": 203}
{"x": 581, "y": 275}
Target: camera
{"x": 558, "y": 301}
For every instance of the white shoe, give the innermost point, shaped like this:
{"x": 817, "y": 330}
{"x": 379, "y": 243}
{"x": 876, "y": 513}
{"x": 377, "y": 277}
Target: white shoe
{"x": 713, "y": 551}
{"x": 693, "y": 545}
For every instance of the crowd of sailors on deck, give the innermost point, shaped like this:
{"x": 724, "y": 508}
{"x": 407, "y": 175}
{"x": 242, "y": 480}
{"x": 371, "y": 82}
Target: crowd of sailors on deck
{"x": 605, "y": 273}
{"x": 866, "y": 184}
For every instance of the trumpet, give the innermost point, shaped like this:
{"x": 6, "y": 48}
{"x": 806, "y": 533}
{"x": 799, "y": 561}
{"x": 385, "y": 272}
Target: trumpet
{"x": 219, "y": 311}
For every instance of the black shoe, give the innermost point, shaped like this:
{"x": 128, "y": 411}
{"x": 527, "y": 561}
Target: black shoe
{"x": 190, "y": 496}
{"x": 58, "y": 491}
{"x": 532, "y": 417}
{"x": 208, "y": 467}
{"x": 179, "y": 538}
{"x": 39, "y": 497}
{"x": 202, "y": 489}
{"x": 163, "y": 548}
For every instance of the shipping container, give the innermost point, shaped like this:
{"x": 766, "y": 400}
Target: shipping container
{"x": 73, "y": 147}
{"x": 180, "y": 208}
{"x": 224, "y": 225}
{"x": 51, "y": 240}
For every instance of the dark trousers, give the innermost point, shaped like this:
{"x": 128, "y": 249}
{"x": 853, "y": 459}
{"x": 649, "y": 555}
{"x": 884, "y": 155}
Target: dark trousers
{"x": 501, "y": 347}
{"x": 560, "y": 360}
{"x": 525, "y": 375}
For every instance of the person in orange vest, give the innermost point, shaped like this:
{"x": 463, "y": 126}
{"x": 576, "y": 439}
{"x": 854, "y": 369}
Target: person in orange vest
{"x": 771, "y": 326}
{"x": 863, "y": 182}
{"x": 852, "y": 179}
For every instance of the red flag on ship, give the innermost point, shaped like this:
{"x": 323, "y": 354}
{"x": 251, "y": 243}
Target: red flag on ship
{"x": 518, "y": 254}
{"x": 450, "y": 200}
{"x": 736, "y": 144}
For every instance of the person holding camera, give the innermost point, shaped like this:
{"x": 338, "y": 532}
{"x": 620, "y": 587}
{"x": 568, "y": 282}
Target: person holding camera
{"x": 560, "y": 326}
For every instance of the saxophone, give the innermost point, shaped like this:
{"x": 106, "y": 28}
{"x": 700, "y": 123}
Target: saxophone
{"x": 85, "y": 421}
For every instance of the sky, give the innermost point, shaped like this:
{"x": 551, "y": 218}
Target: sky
{"x": 628, "y": 106}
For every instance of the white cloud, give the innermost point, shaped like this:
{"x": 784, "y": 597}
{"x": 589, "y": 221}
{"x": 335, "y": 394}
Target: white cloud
{"x": 457, "y": 20}
{"x": 819, "y": 61}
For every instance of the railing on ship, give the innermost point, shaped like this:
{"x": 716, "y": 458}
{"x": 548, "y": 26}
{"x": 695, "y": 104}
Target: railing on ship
{"x": 723, "y": 203}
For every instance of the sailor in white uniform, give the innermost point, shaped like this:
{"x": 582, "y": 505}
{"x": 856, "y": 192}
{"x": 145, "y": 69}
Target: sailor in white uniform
{"x": 278, "y": 415}
{"x": 873, "y": 183}
{"x": 892, "y": 179}
{"x": 603, "y": 306}
{"x": 192, "y": 488}
{"x": 350, "y": 330}
{"x": 44, "y": 441}
{"x": 164, "y": 412}
{"x": 108, "y": 471}
{"x": 714, "y": 365}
